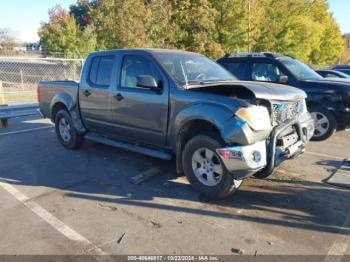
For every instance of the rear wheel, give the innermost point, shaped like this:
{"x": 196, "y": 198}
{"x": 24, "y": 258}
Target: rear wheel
{"x": 66, "y": 132}
{"x": 325, "y": 123}
{"x": 205, "y": 170}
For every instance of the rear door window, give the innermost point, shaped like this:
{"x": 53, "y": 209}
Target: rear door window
{"x": 101, "y": 71}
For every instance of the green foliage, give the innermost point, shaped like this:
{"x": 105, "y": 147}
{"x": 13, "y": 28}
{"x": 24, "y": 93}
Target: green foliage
{"x": 304, "y": 29}
{"x": 63, "y": 35}
{"x": 120, "y": 23}
{"x": 195, "y": 26}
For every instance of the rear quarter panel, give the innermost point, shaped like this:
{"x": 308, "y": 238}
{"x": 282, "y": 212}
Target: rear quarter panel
{"x": 53, "y": 92}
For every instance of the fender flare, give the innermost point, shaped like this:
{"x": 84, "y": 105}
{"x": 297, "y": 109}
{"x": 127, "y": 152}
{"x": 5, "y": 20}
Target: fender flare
{"x": 63, "y": 98}
{"x": 68, "y": 102}
{"x": 217, "y": 115}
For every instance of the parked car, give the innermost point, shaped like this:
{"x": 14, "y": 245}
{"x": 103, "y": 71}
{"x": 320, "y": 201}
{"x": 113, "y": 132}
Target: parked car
{"x": 343, "y": 68}
{"x": 332, "y": 74}
{"x": 167, "y": 104}
{"x": 328, "y": 100}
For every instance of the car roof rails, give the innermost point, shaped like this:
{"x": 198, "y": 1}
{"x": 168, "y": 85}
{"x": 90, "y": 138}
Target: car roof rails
{"x": 255, "y": 54}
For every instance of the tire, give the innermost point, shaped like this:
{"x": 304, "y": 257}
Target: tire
{"x": 214, "y": 182}
{"x": 262, "y": 175}
{"x": 65, "y": 131}
{"x": 325, "y": 123}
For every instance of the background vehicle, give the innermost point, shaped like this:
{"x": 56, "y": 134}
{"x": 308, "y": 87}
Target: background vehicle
{"x": 168, "y": 104}
{"x": 343, "y": 68}
{"x": 332, "y": 74}
{"x": 328, "y": 100}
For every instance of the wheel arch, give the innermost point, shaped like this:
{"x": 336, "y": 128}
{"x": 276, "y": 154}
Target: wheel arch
{"x": 61, "y": 101}
{"x": 187, "y": 131}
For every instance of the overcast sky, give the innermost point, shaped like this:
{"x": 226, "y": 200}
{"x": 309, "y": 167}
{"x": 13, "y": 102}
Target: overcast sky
{"x": 24, "y": 16}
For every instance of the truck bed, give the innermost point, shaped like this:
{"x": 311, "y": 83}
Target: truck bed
{"x": 50, "y": 91}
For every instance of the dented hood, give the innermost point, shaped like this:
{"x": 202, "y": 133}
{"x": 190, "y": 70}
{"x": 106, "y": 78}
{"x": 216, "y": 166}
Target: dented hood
{"x": 261, "y": 90}
{"x": 274, "y": 91}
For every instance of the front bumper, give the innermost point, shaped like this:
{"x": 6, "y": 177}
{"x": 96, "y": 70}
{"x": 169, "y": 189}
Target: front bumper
{"x": 285, "y": 142}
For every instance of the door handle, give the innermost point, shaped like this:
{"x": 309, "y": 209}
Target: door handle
{"x": 87, "y": 93}
{"x": 119, "y": 97}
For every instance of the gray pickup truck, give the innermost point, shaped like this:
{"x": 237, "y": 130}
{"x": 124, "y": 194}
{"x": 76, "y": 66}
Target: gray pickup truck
{"x": 174, "y": 104}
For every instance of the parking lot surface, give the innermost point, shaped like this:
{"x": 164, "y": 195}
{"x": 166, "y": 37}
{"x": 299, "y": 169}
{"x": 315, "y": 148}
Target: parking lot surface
{"x": 54, "y": 201}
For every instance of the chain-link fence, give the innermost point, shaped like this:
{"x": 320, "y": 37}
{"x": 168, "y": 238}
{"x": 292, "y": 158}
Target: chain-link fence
{"x": 19, "y": 77}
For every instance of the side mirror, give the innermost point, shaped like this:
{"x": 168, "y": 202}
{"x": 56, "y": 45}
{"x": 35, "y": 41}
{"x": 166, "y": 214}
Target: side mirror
{"x": 283, "y": 79}
{"x": 147, "y": 81}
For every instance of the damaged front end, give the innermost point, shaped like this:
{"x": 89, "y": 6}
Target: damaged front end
{"x": 260, "y": 151}
{"x": 275, "y": 127}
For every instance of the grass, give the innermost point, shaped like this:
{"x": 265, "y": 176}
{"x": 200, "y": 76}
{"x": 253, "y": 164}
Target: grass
{"x": 18, "y": 97}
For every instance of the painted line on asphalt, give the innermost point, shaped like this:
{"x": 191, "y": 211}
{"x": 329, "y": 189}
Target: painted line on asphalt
{"x": 340, "y": 245}
{"x": 57, "y": 224}
{"x": 324, "y": 155}
{"x": 26, "y": 131}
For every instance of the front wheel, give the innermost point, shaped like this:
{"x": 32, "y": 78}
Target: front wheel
{"x": 66, "y": 132}
{"x": 325, "y": 123}
{"x": 205, "y": 170}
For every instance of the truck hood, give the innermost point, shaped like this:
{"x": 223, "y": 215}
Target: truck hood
{"x": 247, "y": 90}
{"x": 326, "y": 85}
{"x": 272, "y": 91}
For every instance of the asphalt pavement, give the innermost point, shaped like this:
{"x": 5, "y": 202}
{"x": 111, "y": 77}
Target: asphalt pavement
{"x": 55, "y": 201}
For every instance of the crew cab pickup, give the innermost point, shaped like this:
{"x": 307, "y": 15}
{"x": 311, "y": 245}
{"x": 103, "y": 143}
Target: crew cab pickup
{"x": 175, "y": 104}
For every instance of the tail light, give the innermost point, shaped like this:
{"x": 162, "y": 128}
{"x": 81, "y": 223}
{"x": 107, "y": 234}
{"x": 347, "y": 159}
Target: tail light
{"x": 38, "y": 93}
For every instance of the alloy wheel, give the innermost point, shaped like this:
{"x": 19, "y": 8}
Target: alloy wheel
{"x": 321, "y": 124}
{"x": 207, "y": 167}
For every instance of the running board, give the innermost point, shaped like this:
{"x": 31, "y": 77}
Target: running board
{"x": 129, "y": 147}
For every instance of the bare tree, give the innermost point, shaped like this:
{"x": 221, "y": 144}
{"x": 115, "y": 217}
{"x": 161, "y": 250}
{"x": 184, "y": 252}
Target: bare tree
{"x": 7, "y": 39}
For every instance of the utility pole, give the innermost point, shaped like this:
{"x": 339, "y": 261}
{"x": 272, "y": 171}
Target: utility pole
{"x": 249, "y": 23}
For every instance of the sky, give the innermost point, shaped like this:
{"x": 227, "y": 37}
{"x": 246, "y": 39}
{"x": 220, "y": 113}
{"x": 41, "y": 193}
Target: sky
{"x": 23, "y": 17}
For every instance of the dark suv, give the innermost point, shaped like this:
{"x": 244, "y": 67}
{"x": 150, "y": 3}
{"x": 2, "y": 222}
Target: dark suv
{"x": 328, "y": 100}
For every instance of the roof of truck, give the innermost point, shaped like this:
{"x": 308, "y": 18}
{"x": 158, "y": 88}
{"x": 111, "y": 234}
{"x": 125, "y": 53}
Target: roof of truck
{"x": 148, "y": 50}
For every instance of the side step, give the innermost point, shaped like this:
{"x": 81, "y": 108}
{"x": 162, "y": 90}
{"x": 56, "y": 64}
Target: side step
{"x": 129, "y": 147}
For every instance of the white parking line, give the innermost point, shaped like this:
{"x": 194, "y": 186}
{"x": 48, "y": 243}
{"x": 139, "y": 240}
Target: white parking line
{"x": 340, "y": 245}
{"x": 57, "y": 224}
{"x": 324, "y": 155}
{"x": 26, "y": 131}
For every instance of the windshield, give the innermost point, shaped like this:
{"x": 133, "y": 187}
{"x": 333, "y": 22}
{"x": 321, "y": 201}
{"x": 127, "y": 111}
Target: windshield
{"x": 192, "y": 69}
{"x": 300, "y": 70}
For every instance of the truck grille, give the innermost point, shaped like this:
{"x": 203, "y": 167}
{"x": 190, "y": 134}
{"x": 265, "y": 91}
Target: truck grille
{"x": 285, "y": 111}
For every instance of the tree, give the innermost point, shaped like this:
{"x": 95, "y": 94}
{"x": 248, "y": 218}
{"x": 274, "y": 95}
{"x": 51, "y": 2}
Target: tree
{"x": 238, "y": 23}
{"x": 7, "y": 39}
{"x": 345, "y": 58}
{"x": 161, "y": 25}
{"x": 63, "y": 35}
{"x": 195, "y": 27}
{"x": 121, "y": 24}
{"x": 82, "y": 12}
{"x": 304, "y": 29}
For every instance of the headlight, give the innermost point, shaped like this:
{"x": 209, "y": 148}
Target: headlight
{"x": 257, "y": 117}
